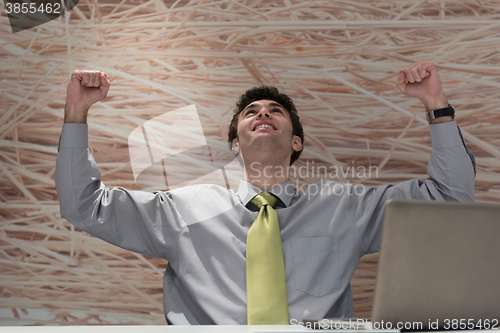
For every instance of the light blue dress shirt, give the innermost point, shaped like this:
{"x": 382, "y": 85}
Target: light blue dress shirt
{"x": 201, "y": 230}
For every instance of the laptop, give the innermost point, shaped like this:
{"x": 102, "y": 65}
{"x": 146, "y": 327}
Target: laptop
{"x": 439, "y": 268}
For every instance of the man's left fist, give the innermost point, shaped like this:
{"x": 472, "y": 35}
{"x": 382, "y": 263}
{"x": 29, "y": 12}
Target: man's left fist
{"x": 421, "y": 80}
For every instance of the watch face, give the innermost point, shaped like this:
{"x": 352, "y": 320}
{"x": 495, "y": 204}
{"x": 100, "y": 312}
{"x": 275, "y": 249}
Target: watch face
{"x": 451, "y": 111}
{"x": 430, "y": 115}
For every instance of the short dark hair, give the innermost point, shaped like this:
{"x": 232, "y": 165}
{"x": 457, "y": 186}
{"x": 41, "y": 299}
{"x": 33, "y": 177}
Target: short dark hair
{"x": 269, "y": 93}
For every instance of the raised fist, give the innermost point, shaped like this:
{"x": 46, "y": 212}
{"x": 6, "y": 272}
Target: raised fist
{"x": 87, "y": 87}
{"x": 84, "y": 89}
{"x": 421, "y": 80}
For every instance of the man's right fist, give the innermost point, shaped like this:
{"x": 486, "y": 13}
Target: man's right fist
{"x": 87, "y": 87}
{"x": 84, "y": 89}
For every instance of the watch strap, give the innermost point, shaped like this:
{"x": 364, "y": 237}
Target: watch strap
{"x": 447, "y": 111}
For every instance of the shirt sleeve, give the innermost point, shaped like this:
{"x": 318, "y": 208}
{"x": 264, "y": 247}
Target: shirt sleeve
{"x": 451, "y": 171}
{"x": 142, "y": 222}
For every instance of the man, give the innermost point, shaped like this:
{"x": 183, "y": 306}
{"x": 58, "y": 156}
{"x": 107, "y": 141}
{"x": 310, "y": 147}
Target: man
{"x": 204, "y": 231}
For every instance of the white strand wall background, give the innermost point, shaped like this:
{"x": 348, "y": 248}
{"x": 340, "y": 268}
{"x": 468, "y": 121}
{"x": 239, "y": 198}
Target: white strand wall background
{"x": 337, "y": 59}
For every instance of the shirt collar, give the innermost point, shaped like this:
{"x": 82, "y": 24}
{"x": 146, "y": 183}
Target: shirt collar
{"x": 285, "y": 192}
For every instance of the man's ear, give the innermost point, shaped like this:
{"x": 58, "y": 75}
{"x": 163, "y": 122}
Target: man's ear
{"x": 296, "y": 143}
{"x": 236, "y": 147}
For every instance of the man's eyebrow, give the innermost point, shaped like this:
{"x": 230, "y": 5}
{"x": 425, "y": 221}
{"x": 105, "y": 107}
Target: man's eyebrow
{"x": 254, "y": 104}
{"x": 277, "y": 104}
{"x": 251, "y": 105}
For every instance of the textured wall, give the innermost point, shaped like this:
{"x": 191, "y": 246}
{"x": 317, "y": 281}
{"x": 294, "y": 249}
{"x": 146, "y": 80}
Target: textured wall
{"x": 337, "y": 59}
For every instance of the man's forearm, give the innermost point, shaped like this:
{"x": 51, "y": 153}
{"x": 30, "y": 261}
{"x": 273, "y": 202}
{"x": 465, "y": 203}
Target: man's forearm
{"x": 435, "y": 103}
{"x": 451, "y": 166}
{"x": 75, "y": 114}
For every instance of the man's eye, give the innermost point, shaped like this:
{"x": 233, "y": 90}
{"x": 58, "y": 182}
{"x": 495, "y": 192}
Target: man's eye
{"x": 277, "y": 110}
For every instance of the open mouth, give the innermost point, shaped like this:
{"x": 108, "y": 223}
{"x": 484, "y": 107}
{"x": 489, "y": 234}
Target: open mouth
{"x": 264, "y": 126}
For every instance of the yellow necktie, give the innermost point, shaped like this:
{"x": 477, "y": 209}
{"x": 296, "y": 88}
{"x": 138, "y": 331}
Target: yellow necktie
{"x": 267, "y": 300}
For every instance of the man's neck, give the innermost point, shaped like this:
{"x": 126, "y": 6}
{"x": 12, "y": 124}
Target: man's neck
{"x": 266, "y": 175}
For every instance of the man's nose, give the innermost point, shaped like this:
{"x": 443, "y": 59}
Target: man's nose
{"x": 264, "y": 112}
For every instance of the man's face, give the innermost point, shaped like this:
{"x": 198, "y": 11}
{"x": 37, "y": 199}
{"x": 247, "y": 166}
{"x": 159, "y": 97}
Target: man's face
{"x": 266, "y": 125}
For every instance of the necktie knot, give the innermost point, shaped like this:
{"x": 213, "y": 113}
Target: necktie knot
{"x": 264, "y": 198}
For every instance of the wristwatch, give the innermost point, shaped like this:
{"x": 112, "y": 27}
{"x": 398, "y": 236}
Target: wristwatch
{"x": 448, "y": 111}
